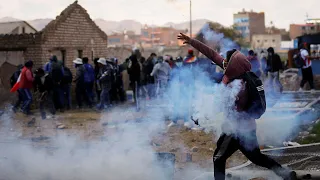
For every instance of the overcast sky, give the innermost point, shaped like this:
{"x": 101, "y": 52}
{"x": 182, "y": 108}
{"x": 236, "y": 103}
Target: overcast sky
{"x": 281, "y": 12}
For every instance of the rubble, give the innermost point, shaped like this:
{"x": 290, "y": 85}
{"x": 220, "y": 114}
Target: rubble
{"x": 195, "y": 149}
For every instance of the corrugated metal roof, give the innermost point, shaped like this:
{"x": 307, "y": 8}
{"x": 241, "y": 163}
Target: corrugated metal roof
{"x": 9, "y": 27}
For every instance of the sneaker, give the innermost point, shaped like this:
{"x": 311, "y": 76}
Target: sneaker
{"x": 197, "y": 128}
{"x": 172, "y": 124}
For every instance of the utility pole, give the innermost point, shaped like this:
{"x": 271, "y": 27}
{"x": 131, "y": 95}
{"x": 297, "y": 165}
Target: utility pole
{"x": 190, "y": 19}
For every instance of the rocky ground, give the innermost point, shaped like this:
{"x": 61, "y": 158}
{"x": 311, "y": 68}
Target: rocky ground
{"x": 192, "y": 148}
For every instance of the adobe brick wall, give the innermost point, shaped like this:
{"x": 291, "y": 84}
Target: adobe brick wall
{"x": 75, "y": 33}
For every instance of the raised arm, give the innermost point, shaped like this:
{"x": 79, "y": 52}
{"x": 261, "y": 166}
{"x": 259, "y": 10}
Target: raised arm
{"x": 203, "y": 48}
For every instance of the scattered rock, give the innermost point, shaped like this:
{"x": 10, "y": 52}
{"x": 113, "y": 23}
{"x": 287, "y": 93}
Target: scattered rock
{"x": 32, "y": 122}
{"x": 193, "y": 140}
{"x": 61, "y": 126}
{"x": 313, "y": 135}
{"x": 204, "y": 143}
{"x": 195, "y": 149}
{"x": 38, "y": 139}
{"x": 174, "y": 149}
{"x": 304, "y": 133}
{"x": 211, "y": 149}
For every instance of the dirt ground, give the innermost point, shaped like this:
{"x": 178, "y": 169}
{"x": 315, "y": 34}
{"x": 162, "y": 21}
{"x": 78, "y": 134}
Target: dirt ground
{"x": 88, "y": 125}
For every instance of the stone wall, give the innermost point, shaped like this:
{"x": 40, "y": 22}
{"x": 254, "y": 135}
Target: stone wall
{"x": 74, "y": 31}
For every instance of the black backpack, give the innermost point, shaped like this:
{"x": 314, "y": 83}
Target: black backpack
{"x": 298, "y": 60}
{"x": 67, "y": 77}
{"x": 256, "y": 106}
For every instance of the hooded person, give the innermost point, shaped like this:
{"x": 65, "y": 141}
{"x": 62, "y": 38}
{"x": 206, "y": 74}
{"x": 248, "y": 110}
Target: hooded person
{"x": 148, "y": 67}
{"x": 119, "y": 91}
{"x": 44, "y": 85}
{"x": 96, "y": 73}
{"x": 255, "y": 63}
{"x": 274, "y": 65}
{"x": 161, "y": 72}
{"x": 134, "y": 75}
{"x": 26, "y": 84}
{"x": 243, "y": 134}
{"x": 80, "y": 84}
{"x": 14, "y": 78}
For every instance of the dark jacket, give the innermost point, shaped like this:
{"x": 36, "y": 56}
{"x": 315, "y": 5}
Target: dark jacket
{"x": 274, "y": 63}
{"x": 79, "y": 79}
{"x": 67, "y": 77}
{"x": 148, "y": 67}
{"x": 15, "y": 77}
{"x": 105, "y": 77}
{"x": 43, "y": 85}
{"x": 134, "y": 72}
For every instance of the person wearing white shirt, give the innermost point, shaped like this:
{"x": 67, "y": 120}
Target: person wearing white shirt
{"x": 307, "y": 74}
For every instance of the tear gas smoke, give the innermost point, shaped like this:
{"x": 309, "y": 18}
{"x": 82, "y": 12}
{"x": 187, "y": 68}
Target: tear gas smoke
{"x": 127, "y": 154}
{"x": 217, "y": 39}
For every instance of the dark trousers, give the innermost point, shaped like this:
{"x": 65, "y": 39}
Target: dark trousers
{"x": 89, "y": 90}
{"x": 58, "y": 97}
{"x": 47, "y": 100}
{"x": 81, "y": 94}
{"x": 19, "y": 100}
{"x": 247, "y": 143}
{"x": 307, "y": 76}
{"x": 27, "y": 100}
{"x": 67, "y": 95}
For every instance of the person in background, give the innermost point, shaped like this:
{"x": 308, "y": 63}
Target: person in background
{"x": 104, "y": 78}
{"x": 96, "y": 73}
{"x": 44, "y": 85}
{"x": 263, "y": 62}
{"x": 66, "y": 87}
{"x": 80, "y": 85}
{"x": 255, "y": 63}
{"x": 239, "y": 127}
{"x": 148, "y": 67}
{"x": 26, "y": 84}
{"x": 119, "y": 82}
{"x": 14, "y": 78}
{"x": 307, "y": 74}
{"x": 190, "y": 59}
{"x": 88, "y": 78}
{"x": 161, "y": 73}
{"x": 134, "y": 75}
{"x": 56, "y": 72}
{"x": 274, "y": 65}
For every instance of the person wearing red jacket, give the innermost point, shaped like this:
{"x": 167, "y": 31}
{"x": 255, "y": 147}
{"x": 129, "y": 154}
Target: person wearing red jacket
{"x": 26, "y": 84}
{"x": 239, "y": 128}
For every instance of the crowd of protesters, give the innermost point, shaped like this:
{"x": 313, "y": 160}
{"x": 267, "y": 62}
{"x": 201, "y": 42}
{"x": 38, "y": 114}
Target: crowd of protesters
{"x": 101, "y": 86}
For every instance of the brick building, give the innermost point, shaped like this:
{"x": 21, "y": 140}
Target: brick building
{"x": 159, "y": 36}
{"x": 249, "y": 23}
{"x": 297, "y": 30}
{"x": 72, "y": 34}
